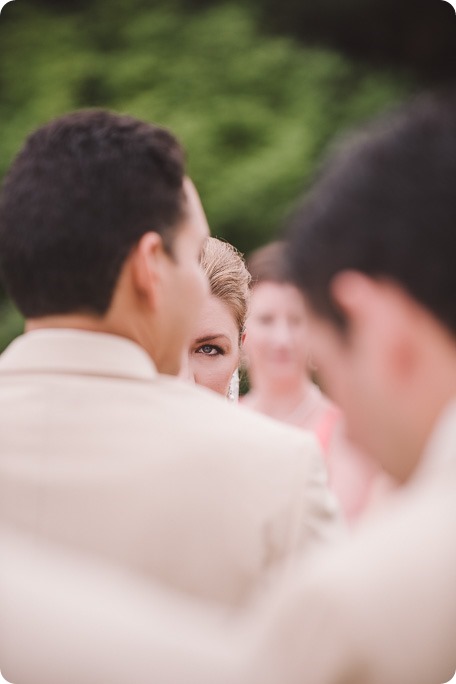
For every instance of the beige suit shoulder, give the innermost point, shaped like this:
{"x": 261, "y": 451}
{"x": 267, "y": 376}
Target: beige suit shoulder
{"x": 226, "y": 421}
{"x": 278, "y": 463}
{"x": 381, "y": 607}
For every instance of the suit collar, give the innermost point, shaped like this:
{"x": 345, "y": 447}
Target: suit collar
{"x": 77, "y": 351}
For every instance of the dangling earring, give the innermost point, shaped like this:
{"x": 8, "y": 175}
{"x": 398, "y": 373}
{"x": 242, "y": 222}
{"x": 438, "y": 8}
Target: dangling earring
{"x": 311, "y": 365}
{"x": 233, "y": 390}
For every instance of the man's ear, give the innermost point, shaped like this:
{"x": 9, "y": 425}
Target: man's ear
{"x": 354, "y": 293}
{"x": 146, "y": 263}
{"x": 385, "y": 314}
{"x": 243, "y": 336}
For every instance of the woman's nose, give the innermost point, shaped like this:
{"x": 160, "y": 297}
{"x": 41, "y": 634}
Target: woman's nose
{"x": 281, "y": 335}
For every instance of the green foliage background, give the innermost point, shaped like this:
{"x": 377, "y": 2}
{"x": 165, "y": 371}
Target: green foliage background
{"x": 254, "y": 112}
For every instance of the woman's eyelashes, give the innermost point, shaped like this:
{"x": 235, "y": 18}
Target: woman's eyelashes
{"x": 210, "y": 350}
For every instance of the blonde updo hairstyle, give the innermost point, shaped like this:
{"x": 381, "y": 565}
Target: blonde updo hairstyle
{"x": 229, "y": 279}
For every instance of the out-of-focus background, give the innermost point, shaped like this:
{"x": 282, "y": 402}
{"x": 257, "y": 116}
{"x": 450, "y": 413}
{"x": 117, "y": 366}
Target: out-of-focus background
{"x": 255, "y": 89}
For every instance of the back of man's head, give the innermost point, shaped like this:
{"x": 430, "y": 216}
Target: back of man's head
{"x": 386, "y": 206}
{"x": 78, "y": 197}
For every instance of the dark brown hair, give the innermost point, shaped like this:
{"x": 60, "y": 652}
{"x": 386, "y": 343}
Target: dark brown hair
{"x": 78, "y": 197}
{"x": 385, "y": 206}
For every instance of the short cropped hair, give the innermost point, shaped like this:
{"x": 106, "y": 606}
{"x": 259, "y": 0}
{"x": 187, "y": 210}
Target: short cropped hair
{"x": 269, "y": 264}
{"x": 386, "y": 206}
{"x": 228, "y": 277}
{"x": 76, "y": 200}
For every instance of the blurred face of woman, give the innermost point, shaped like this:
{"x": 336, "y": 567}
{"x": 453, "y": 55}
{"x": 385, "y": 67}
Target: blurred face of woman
{"x": 276, "y": 332}
{"x": 213, "y": 354}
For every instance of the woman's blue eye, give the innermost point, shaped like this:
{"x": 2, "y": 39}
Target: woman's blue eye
{"x": 209, "y": 350}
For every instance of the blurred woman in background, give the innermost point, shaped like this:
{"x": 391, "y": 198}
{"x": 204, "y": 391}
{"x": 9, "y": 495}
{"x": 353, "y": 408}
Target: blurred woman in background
{"x": 279, "y": 371}
{"x": 213, "y": 356}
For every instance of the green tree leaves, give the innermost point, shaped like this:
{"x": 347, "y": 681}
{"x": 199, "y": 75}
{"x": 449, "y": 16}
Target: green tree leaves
{"x": 255, "y": 113}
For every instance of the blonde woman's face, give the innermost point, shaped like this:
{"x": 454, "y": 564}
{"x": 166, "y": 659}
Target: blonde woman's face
{"x": 213, "y": 354}
{"x": 276, "y": 341}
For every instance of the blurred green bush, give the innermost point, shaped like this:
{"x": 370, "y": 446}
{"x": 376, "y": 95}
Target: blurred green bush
{"x": 254, "y": 112}
{"x": 11, "y": 324}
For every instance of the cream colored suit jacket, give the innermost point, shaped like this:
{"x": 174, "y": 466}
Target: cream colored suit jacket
{"x": 66, "y": 618}
{"x": 381, "y": 608}
{"x": 101, "y": 453}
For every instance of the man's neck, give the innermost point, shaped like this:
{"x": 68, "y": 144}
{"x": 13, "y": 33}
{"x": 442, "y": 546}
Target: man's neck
{"x": 68, "y": 321}
{"x": 79, "y": 322}
{"x": 432, "y": 390}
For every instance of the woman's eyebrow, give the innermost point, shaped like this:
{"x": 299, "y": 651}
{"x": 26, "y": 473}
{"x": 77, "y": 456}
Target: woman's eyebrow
{"x": 211, "y": 338}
